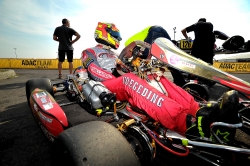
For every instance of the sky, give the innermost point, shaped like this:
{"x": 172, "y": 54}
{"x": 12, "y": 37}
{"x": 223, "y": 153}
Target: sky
{"x": 27, "y": 26}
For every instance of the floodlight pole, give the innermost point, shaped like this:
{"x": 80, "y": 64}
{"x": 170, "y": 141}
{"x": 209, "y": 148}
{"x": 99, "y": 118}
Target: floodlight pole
{"x": 15, "y": 52}
{"x": 174, "y": 32}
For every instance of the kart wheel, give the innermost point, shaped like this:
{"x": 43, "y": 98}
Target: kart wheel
{"x": 207, "y": 82}
{"x": 41, "y": 83}
{"x": 140, "y": 144}
{"x": 211, "y": 83}
{"x": 97, "y": 143}
{"x": 198, "y": 91}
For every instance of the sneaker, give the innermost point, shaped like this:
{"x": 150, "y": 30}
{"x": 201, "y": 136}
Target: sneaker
{"x": 225, "y": 110}
{"x": 198, "y": 127}
{"x": 207, "y": 109}
{"x": 229, "y": 103}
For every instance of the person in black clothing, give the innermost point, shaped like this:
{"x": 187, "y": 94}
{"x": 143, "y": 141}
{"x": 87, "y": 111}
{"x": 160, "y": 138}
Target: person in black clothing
{"x": 149, "y": 35}
{"x": 63, "y": 34}
{"x": 203, "y": 44}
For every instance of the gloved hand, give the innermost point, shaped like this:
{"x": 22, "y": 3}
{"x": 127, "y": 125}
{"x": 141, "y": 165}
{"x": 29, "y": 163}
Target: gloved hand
{"x": 189, "y": 39}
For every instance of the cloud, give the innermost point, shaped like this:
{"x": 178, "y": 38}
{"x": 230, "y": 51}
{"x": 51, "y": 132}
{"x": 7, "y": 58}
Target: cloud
{"x": 35, "y": 17}
{"x": 32, "y": 22}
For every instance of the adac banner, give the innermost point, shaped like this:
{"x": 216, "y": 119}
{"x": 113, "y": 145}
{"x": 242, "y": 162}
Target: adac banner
{"x": 230, "y": 67}
{"x": 35, "y": 63}
{"x": 233, "y": 67}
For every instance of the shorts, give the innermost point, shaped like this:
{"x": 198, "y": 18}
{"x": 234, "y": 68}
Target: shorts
{"x": 61, "y": 55}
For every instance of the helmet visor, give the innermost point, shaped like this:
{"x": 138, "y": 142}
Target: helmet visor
{"x": 115, "y": 34}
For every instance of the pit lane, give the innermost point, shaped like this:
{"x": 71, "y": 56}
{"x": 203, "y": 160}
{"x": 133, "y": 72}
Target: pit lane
{"x": 21, "y": 141}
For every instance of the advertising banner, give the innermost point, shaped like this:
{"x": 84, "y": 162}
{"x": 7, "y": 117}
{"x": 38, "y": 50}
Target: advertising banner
{"x": 35, "y": 63}
{"x": 230, "y": 67}
{"x": 233, "y": 67}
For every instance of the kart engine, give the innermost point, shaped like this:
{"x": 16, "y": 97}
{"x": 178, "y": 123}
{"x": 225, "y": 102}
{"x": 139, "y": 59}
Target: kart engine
{"x": 97, "y": 94}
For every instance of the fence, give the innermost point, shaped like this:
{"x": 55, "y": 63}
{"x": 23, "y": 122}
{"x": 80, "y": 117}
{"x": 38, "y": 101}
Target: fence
{"x": 231, "y": 67}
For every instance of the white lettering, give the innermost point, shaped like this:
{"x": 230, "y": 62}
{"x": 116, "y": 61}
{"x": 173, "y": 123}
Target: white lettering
{"x": 130, "y": 83}
{"x": 135, "y": 85}
{"x": 145, "y": 92}
{"x": 149, "y": 94}
{"x": 159, "y": 103}
{"x": 139, "y": 88}
{"x": 154, "y": 97}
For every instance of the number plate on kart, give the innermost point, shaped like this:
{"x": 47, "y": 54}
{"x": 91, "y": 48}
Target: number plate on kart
{"x": 184, "y": 44}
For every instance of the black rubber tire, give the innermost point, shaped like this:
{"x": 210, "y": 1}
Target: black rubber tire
{"x": 197, "y": 90}
{"x": 211, "y": 83}
{"x": 233, "y": 43}
{"x": 97, "y": 143}
{"x": 207, "y": 82}
{"x": 41, "y": 83}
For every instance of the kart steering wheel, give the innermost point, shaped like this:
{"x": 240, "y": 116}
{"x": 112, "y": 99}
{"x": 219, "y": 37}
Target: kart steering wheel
{"x": 132, "y": 51}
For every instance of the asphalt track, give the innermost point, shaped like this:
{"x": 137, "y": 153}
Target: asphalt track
{"x": 23, "y": 144}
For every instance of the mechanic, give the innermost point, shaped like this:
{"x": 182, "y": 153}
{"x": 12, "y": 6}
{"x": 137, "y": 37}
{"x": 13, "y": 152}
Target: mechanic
{"x": 63, "y": 34}
{"x": 148, "y": 35}
{"x": 204, "y": 41}
{"x": 176, "y": 110}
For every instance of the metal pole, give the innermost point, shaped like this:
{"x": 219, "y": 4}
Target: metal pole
{"x": 174, "y": 32}
{"x": 15, "y": 52}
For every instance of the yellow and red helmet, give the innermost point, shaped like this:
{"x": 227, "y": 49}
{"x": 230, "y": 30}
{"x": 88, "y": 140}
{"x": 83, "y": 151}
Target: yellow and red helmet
{"x": 108, "y": 34}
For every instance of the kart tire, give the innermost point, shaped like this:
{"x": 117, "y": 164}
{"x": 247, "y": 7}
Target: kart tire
{"x": 209, "y": 83}
{"x": 41, "y": 83}
{"x": 198, "y": 91}
{"x": 233, "y": 43}
{"x": 96, "y": 143}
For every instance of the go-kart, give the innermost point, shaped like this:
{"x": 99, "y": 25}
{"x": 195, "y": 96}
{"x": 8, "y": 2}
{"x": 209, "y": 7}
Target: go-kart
{"x": 232, "y": 44}
{"x": 130, "y": 136}
{"x": 233, "y": 49}
{"x": 186, "y": 46}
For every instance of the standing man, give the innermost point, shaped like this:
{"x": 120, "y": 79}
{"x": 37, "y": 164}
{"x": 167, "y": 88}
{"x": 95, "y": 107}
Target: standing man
{"x": 63, "y": 34}
{"x": 148, "y": 35}
{"x": 203, "y": 45}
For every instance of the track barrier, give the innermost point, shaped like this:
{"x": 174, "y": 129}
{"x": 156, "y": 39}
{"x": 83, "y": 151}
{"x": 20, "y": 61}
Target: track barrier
{"x": 233, "y": 67}
{"x": 10, "y": 63}
{"x": 36, "y": 63}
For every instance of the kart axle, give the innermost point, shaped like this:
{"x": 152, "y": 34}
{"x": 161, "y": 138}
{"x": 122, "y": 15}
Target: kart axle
{"x": 223, "y": 147}
{"x": 68, "y": 103}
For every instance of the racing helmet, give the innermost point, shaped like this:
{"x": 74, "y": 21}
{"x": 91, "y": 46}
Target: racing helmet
{"x": 108, "y": 34}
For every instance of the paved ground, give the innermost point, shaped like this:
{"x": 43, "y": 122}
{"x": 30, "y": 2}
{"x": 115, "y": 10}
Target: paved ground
{"x": 21, "y": 141}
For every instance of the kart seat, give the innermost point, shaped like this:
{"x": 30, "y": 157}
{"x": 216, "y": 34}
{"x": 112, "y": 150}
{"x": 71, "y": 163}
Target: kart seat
{"x": 137, "y": 112}
{"x": 234, "y": 43}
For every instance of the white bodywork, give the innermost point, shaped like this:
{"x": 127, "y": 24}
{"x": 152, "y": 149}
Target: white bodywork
{"x": 235, "y": 57}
